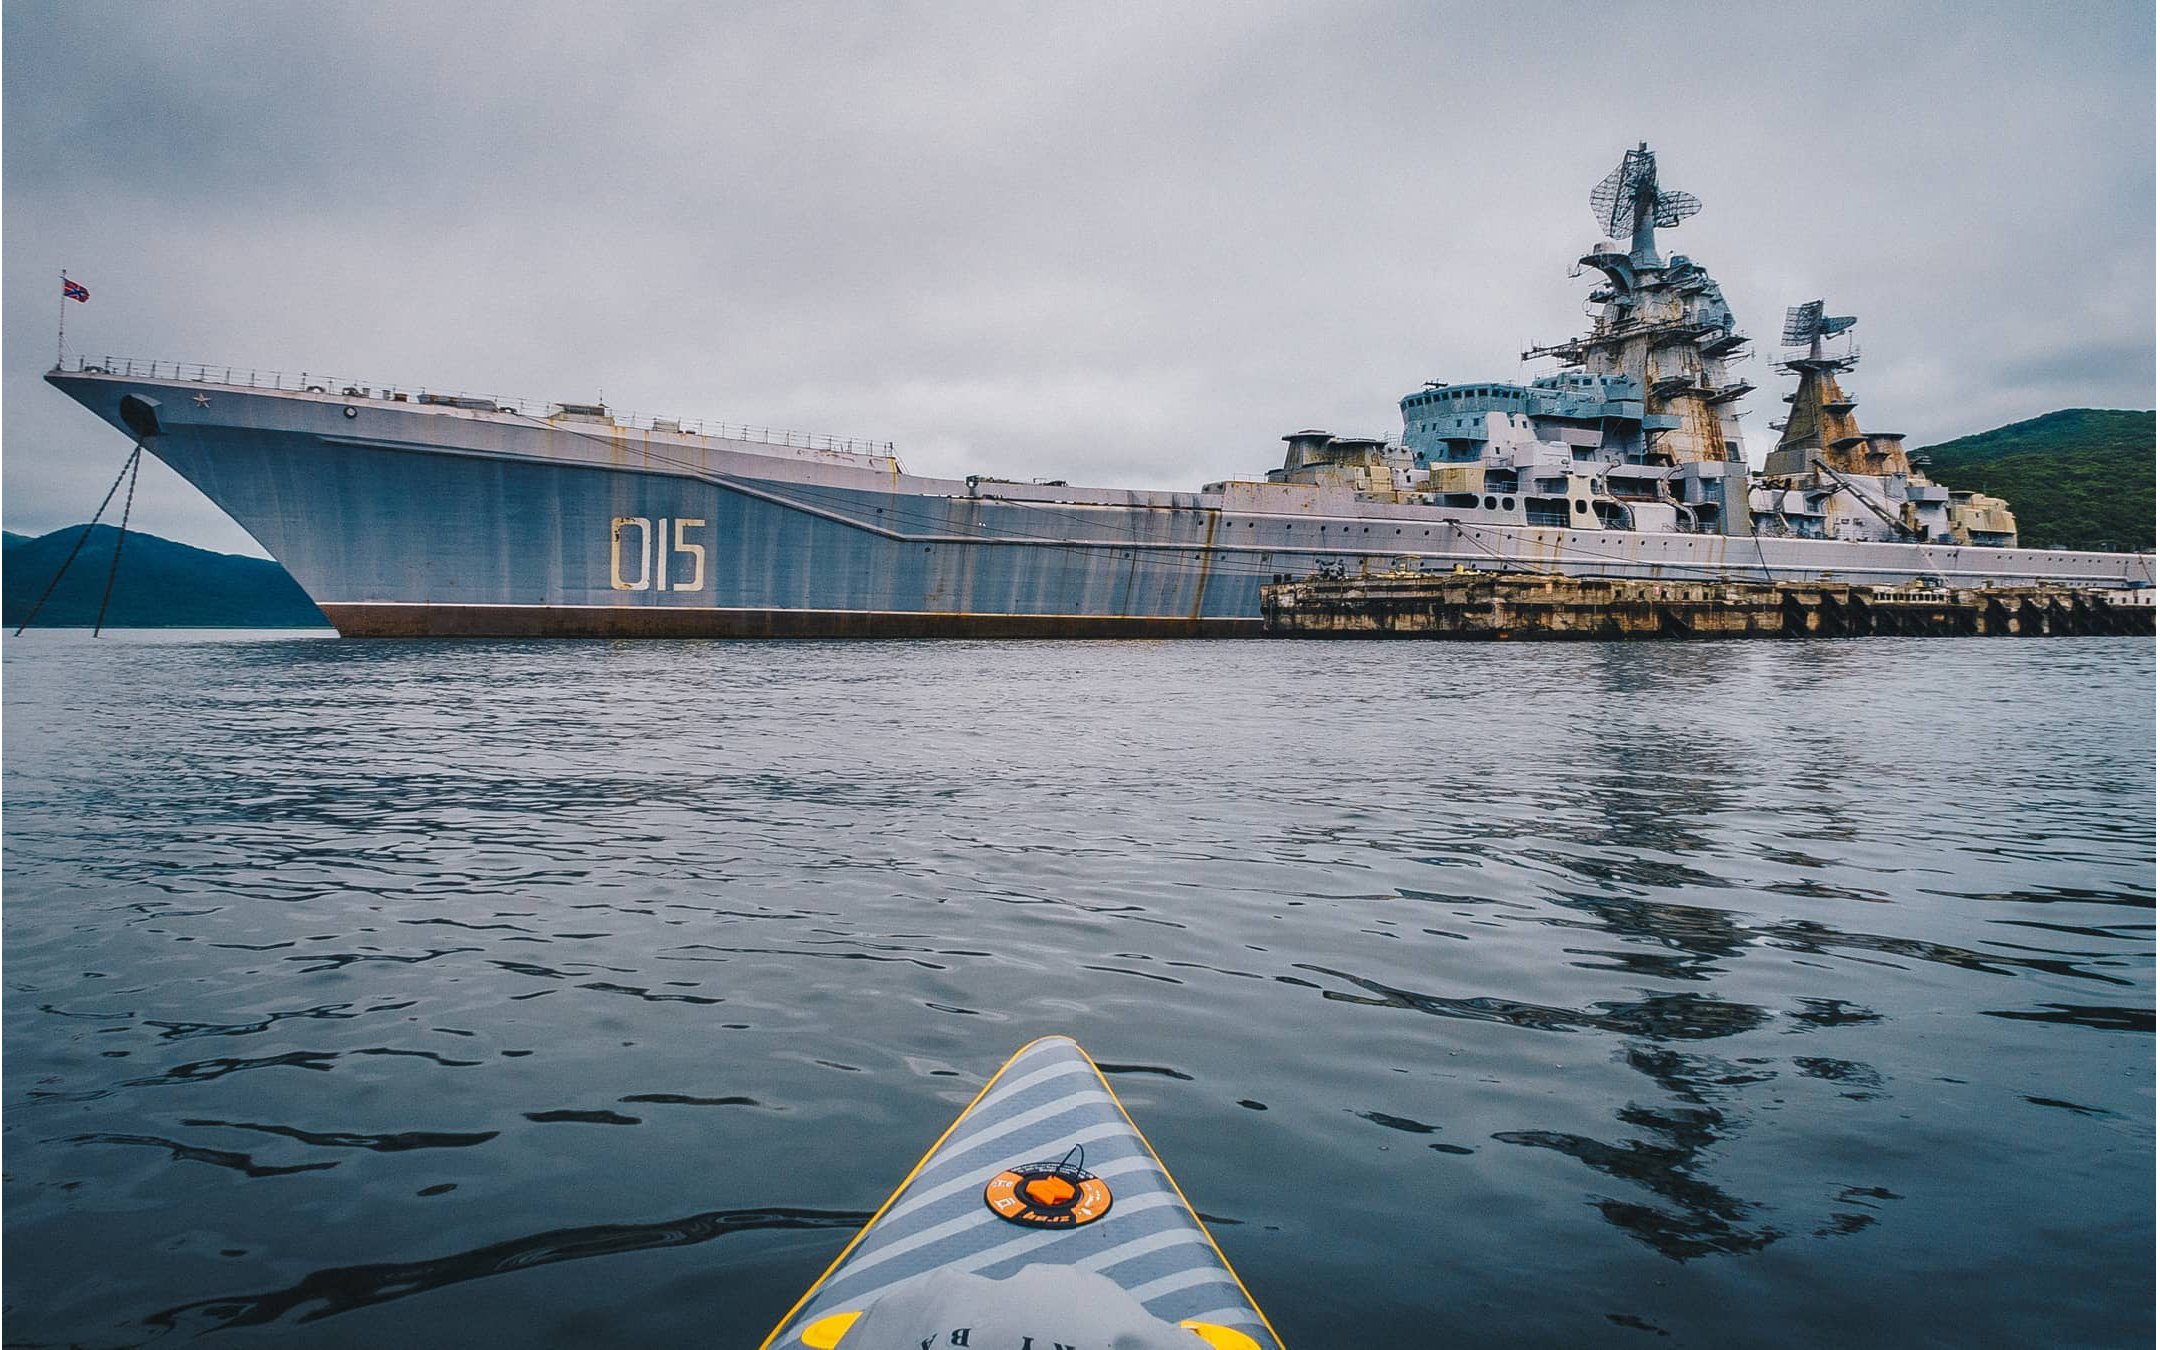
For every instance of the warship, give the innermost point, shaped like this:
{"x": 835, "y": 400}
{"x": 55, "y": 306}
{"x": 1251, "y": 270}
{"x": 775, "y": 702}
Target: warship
{"x": 407, "y": 513}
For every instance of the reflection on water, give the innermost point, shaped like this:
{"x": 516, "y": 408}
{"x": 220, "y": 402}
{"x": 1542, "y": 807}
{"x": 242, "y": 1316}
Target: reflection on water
{"x": 216, "y": 1157}
{"x": 357, "y": 972}
{"x": 1698, "y": 1218}
{"x": 1662, "y": 1017}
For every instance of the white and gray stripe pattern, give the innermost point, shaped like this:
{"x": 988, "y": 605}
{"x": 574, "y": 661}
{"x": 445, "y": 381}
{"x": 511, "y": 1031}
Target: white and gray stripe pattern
{"x": 1044, "y": 1102}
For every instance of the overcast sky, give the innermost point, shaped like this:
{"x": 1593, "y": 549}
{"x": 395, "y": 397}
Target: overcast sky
{"x": 1127, "y": 245}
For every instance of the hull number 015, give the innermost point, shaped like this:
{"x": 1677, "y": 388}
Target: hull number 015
{"x": 642, "y": 558}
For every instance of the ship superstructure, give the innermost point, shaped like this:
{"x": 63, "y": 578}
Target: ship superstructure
{"x": 1663, "y": 324}
{"x": 1828, "y": 479}
{"x": 1638, "y": 430}
{"x": 406, "y": 514}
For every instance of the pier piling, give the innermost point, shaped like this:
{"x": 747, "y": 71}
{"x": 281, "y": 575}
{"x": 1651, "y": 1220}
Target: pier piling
{"x": 1527, "y": 606}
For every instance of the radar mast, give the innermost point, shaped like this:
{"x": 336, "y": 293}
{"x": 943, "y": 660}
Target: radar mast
{"x": 1630, "y": 206}
{"x": 1662, "y": 322}
{"x": 1821, "y": 431}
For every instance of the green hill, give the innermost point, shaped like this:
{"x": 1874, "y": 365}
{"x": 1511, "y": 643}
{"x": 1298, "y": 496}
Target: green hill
{"x": 161, "y": 584}
{"x": 2079, "y": 478}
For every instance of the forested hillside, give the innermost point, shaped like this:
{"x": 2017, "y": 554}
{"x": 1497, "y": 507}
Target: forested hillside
{"x": 160, "y": 584}
{"x": 2079, "y": 478}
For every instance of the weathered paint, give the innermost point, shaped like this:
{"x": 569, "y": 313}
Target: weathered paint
{"x": 510, "y": 524}
{"x": 1526, "y": 607}
{"x": 389, "y": 620}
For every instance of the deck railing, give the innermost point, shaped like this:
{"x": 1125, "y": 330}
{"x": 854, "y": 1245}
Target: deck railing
{"x": 316, "y": 382}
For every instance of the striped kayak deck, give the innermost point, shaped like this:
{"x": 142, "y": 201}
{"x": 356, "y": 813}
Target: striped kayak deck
{"x": 1048, "y": 1117}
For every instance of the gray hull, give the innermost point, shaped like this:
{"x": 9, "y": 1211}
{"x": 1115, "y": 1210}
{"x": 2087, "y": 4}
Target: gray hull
{"x": 402, "y": 519}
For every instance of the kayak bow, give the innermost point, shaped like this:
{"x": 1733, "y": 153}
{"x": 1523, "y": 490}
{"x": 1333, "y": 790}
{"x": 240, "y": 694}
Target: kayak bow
{"x": 1040, "y": 1217}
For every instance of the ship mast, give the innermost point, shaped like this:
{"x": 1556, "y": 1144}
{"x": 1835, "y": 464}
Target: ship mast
{"x": 1662, "y": 322}
{"x": 1821, "y": 429}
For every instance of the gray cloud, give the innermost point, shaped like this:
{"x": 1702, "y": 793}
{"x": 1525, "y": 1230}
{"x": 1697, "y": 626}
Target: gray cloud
{"x": 1118, "y": 244}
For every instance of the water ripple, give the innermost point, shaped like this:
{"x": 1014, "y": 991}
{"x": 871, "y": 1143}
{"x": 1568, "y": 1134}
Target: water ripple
{"x": 1551, "y": 995}
{"x": 330, "y": 1293}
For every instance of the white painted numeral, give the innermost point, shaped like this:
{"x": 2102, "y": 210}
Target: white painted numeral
{"x": 696, "y": 552}
{"x": 655, "y": 555}
{"x": 644, "y": 553}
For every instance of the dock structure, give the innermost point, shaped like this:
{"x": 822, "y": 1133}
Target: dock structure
{"x": 1524, "y": 606}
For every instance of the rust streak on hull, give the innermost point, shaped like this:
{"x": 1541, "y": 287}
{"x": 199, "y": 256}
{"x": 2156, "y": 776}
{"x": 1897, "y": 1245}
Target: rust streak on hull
{"x": 518, "y": 621}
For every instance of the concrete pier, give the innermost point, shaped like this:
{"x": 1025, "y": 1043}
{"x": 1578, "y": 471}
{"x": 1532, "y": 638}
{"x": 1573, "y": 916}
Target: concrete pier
{"x": 1529, "y": 606}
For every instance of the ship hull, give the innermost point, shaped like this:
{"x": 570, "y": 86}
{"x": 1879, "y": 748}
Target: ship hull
{"x": 414, "y": 521}
{"x": 378, "y": 620}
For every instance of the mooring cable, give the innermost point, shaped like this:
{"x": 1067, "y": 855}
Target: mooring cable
{"x": 84, "y": 537}
{"x": 119, "y": 543}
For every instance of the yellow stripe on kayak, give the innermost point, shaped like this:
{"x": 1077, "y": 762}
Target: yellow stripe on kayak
{"x": 1231, "y": 1270}
{"x": 825, "y": 1333}
{"x": 913, "y": 1172}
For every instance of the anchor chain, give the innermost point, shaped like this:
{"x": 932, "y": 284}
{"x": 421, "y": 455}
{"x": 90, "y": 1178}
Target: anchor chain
{"x": 133, "y": 461}
{"x": 120, "y": 542}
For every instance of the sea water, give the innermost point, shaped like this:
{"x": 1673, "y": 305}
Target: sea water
{"x": 592, "y": 994}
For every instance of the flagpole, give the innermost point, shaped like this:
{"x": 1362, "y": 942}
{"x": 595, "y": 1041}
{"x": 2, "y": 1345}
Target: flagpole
{"x": 60, "y": 356}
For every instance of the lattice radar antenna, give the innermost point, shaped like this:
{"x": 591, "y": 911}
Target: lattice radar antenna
{"x": 1806, "y": 324}
{"x": 1629, "y": 196}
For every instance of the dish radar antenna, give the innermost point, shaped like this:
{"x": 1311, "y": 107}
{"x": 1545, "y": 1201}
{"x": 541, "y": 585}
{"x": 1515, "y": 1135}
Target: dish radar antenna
{"x": 1629, "y": 205}
{"x": 1806, "y": 326}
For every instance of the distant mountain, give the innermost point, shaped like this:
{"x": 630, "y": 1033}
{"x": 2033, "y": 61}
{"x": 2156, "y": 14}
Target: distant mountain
{"x": 160, "y": 584}
{"x": 2079, "y": 478}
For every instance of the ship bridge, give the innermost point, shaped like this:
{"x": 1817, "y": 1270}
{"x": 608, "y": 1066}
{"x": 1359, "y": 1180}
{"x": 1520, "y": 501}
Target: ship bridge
{"x": 1444, "y": 423}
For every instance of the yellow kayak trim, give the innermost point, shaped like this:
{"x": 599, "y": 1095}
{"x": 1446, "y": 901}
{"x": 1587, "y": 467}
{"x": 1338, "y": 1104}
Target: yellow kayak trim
{"x": 773, "y": 1336}
{"x": 836, "y": 1326}
{"x": 1179, "y": 1191}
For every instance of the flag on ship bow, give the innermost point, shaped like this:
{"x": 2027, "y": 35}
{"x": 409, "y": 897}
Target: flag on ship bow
{"x": 74, "y": 290}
